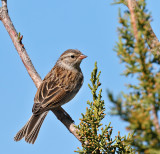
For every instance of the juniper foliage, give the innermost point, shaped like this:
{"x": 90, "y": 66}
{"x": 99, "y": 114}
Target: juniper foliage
{"x": 137, "y": 106}
{"x": 95, "y": 138}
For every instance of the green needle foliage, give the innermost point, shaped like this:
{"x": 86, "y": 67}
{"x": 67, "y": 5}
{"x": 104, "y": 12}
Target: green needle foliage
{"x": 140, "y": 106}
{"x": 95, "y": 138}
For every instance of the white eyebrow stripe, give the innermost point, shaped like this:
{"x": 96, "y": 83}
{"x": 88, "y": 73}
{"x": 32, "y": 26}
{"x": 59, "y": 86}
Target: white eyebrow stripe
{"x": 67, "y": 55}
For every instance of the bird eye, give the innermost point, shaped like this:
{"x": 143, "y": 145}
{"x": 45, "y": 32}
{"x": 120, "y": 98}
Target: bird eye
{"x": 72, "y": 56}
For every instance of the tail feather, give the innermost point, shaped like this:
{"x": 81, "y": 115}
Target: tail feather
{"x": 32, "y": 135}
{"x": 31, "y": 129}
{"x": 23, "y": 131}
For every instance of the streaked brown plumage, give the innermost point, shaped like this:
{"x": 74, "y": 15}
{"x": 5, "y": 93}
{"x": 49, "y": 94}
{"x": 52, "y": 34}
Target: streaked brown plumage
{"x": 59, "y": 86}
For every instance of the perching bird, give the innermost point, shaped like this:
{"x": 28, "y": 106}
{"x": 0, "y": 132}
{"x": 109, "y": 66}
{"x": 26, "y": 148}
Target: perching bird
{"x": 59, "y": 86}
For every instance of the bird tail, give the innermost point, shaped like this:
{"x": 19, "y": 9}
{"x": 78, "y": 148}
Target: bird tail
{"x": 31, "y": 128}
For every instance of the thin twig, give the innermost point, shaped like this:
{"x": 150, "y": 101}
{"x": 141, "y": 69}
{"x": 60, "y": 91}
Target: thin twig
{"x": 60, "y": 113}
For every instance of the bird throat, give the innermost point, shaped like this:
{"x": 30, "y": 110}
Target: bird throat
{"x": 68, "y": 67}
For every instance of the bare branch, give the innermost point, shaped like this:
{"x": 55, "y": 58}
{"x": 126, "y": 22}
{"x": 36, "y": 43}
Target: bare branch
{"x": 60, "y": 113}
{"x": 18, "y": 44}
{"x": 0, "y": 13}
{"x": 4, "y": 4}
{"x": 133, "y": 19}
{"x": 66, "y": 120}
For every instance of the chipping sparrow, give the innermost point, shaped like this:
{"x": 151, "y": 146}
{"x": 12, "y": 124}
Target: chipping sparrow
{"x": 59, "y": 86}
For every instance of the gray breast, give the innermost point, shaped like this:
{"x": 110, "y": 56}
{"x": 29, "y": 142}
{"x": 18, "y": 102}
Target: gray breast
{"x": 75, "y": 87}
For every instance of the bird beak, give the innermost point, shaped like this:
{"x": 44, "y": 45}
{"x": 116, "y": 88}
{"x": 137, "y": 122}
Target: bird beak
{"x": 82, "y": 57}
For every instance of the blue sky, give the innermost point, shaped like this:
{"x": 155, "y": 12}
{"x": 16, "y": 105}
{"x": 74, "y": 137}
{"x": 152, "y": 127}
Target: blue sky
{"x": 49, "y": 28}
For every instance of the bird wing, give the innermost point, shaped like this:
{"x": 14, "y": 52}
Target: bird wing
{"x": 50, "y": 94}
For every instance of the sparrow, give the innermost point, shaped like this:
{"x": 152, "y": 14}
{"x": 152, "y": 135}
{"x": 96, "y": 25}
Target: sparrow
{"x": 59, "y": 86}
